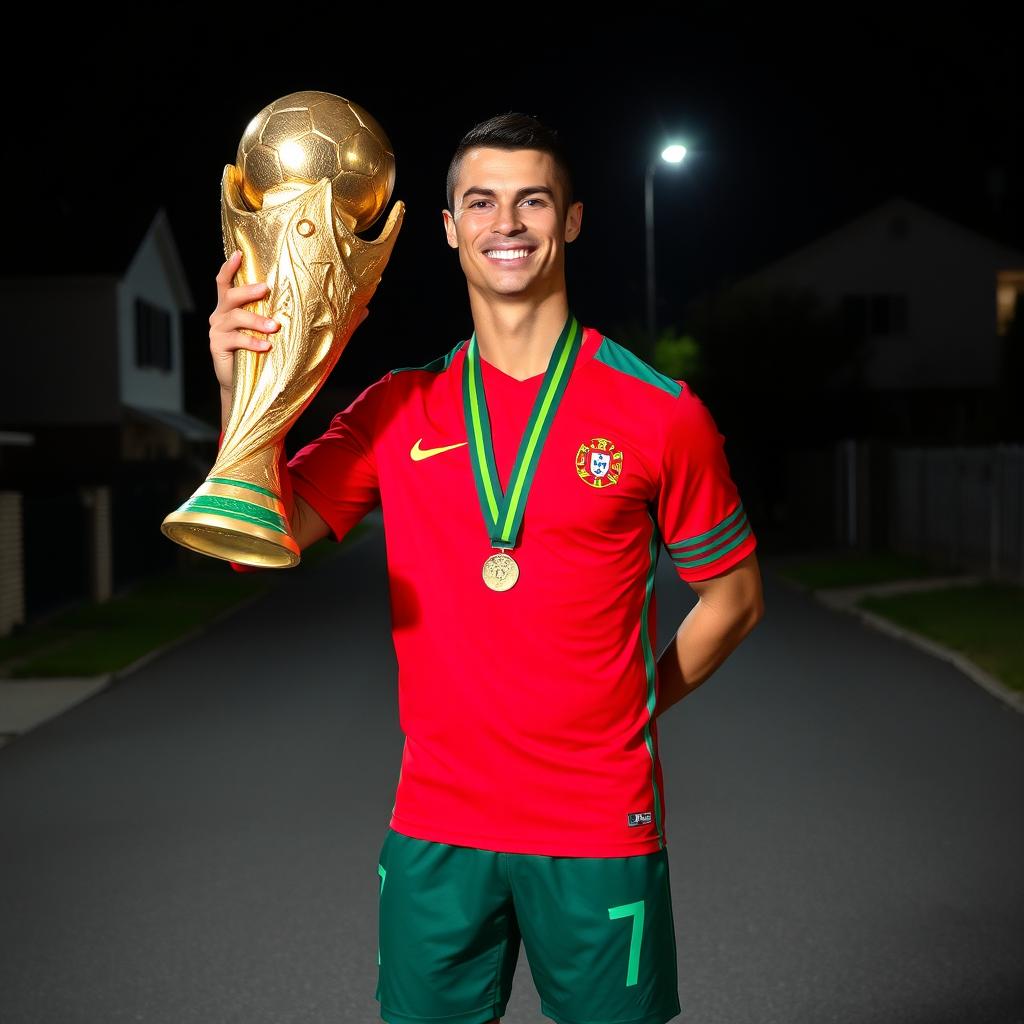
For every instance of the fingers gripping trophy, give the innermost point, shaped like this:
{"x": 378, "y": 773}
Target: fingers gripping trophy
{"x": 312, "y": 169}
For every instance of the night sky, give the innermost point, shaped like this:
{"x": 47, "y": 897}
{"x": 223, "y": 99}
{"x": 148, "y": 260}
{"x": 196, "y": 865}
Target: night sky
{"x": 792, "y": 131}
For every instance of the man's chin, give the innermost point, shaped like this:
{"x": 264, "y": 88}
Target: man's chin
{"x": 509, "y": 289}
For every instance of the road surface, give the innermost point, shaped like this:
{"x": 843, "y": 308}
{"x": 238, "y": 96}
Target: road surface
{"x": 198, "y": 843}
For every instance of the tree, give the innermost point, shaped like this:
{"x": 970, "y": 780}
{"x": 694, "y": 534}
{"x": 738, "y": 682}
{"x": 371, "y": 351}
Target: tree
{"x": 775, "y": 359}
{"x": 678, "y": 355}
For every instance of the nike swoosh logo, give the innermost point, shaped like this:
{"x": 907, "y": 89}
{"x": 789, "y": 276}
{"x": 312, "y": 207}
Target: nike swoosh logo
{"x": 419, "y": 453}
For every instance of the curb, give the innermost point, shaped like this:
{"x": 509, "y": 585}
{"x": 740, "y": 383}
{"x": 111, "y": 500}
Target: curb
{"x": 26, "y": 703}
{"x": 73, "y": 690}
{"x": 844, "y": 599}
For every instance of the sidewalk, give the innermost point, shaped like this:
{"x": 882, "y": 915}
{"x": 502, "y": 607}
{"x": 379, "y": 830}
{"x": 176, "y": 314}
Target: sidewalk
{"x": 26, "y": 703}
{"x": 845, "y": 599}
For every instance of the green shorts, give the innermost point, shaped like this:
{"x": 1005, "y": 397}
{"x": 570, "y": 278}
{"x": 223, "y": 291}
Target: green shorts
{"x": 598, "y": 931}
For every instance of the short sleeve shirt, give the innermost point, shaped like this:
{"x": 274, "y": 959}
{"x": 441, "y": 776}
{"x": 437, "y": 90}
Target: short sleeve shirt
{"x": 528, "y": 713}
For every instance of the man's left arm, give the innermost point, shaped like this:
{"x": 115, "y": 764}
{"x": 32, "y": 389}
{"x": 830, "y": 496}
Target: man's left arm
{"x": 727, "y": 609}
{"x": 711, "y": 542}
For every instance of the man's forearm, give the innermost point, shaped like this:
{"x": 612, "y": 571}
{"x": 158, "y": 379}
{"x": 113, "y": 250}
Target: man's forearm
{"x": 706, "y": 637}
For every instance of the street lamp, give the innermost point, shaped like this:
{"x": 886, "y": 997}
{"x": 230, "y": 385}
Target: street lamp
{"x": 671, "y": 155}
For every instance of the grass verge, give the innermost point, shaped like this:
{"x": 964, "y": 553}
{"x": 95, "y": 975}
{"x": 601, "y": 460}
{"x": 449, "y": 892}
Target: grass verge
{"x": 982, "y": 622}
{"x": 90, "y": 639}
{"x": 853, "y": 569}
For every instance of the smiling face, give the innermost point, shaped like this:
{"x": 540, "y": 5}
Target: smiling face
{"x": 510, "y": 223}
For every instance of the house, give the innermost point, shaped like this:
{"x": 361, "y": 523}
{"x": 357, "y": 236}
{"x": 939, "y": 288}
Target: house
{"x": 93, "y": 378}
{"x": 932, "y": 298}
{"x": 95, "y": 354}
{"x": 912, "y": 455}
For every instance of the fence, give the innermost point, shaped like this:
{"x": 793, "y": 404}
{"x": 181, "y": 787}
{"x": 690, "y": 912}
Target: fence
{"x": 960, "y": 506}
{"x": 142, "y": 494}
{"x": 69, "y": 543}
{"x": 56, "y": 548}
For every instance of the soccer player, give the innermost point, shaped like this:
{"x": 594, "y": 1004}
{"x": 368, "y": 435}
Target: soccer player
{"x": 529, "y": 479}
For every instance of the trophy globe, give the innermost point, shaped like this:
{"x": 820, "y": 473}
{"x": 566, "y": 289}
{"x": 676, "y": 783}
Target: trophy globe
{"x": 296, "y": 141}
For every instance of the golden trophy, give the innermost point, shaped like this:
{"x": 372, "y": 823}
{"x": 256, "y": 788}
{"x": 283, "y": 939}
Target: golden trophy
{"x": 312, "y": 169}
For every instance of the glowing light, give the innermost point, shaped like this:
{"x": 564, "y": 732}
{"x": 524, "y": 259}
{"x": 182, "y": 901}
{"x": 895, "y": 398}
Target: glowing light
{"x": 673, "y": 154}
{"x": 292, "y": 155}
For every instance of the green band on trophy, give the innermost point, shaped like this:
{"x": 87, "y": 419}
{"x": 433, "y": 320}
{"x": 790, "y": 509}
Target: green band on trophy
{"x": 243, "y": 483}
{"x": 232, "y": 508}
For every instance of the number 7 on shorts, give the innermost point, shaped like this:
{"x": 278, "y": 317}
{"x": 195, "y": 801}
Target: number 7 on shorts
{"x": 636, "y": 911}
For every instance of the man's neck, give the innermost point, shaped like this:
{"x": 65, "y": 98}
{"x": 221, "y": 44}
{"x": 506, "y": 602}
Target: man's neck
{"x": 519, "y": 338}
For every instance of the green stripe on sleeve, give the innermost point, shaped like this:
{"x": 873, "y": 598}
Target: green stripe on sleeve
{"x": 681, "y": 546}
{"x": 692, "y": 563}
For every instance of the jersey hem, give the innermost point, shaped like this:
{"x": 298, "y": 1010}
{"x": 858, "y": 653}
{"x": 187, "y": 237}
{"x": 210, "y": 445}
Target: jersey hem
{"x": 535, "y": 847}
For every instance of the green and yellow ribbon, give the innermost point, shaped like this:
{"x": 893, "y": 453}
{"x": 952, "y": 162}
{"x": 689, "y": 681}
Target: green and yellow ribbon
{"x": 503, "y": 513}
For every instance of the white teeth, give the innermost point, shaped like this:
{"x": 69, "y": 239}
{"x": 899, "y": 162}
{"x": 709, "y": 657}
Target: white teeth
{"x": 506, "y": 254}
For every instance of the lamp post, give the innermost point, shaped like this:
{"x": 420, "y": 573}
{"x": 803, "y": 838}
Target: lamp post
{"x": 671, "y": 155}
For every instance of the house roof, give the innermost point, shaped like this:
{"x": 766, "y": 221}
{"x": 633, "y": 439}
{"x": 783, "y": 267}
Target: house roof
{"x": 893, "y": 207}
{"x": 62, "y": 239}
{"x": 62, "y": 236}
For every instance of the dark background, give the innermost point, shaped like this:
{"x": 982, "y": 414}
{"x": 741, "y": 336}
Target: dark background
{"x": 194, "y": 843}
{"x": 793, "y": 129}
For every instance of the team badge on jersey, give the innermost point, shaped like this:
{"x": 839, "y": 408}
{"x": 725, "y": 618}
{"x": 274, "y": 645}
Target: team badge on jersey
{"x": 599, "y": 462}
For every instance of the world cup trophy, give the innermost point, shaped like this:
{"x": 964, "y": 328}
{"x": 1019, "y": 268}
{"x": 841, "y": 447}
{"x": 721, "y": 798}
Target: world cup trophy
{"x": 312, "y": 169}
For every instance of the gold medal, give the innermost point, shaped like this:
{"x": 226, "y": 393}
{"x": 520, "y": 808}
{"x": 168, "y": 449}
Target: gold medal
{"x": 500, "y": 571}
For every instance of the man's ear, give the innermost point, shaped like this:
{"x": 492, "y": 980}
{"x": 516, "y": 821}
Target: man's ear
{"x": 573, "y": 221}
{"x": 449, "y": 229}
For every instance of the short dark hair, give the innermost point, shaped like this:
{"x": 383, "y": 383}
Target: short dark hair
{"x": 512, "y": 131}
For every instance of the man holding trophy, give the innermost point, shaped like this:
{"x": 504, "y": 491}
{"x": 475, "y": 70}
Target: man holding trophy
{"x": 529, "y": 477}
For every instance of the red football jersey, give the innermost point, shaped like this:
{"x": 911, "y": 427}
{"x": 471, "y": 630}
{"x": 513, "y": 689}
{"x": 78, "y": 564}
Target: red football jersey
{"x": 528, "y": 713}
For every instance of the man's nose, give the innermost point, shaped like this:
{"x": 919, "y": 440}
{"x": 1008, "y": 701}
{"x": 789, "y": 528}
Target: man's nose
{"x": 507, "y": 218}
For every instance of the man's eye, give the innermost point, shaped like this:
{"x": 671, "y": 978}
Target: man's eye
{"x": 476, "y": 201}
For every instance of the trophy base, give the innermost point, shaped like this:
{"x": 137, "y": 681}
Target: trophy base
{"x": 235, "y": 521}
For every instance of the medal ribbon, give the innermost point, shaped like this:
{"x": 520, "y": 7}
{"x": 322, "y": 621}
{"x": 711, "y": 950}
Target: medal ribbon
{"x": 503, "y": 513}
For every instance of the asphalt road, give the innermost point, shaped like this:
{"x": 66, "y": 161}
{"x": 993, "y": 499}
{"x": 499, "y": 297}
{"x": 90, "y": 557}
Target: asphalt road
{"x": 199, "y": 842}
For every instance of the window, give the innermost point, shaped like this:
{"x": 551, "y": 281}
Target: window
{"x": 1009, "y": 289}
{"x": 875, "y": 315}
{"x": 879, "y": 314}
{"x": 152, "y": 336}
{"x": 855, "y": 309}
{"x": 898, "y": 313}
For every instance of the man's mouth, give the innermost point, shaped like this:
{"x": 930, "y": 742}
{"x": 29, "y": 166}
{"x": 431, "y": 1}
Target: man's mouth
{"x": 509, "y": 256}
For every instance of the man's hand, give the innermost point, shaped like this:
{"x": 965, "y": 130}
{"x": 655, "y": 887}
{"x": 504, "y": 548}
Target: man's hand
{"x": 228, "y": 320}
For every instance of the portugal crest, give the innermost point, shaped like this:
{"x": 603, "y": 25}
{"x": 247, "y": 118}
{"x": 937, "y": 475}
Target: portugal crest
{"x": 599, "y": 462}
